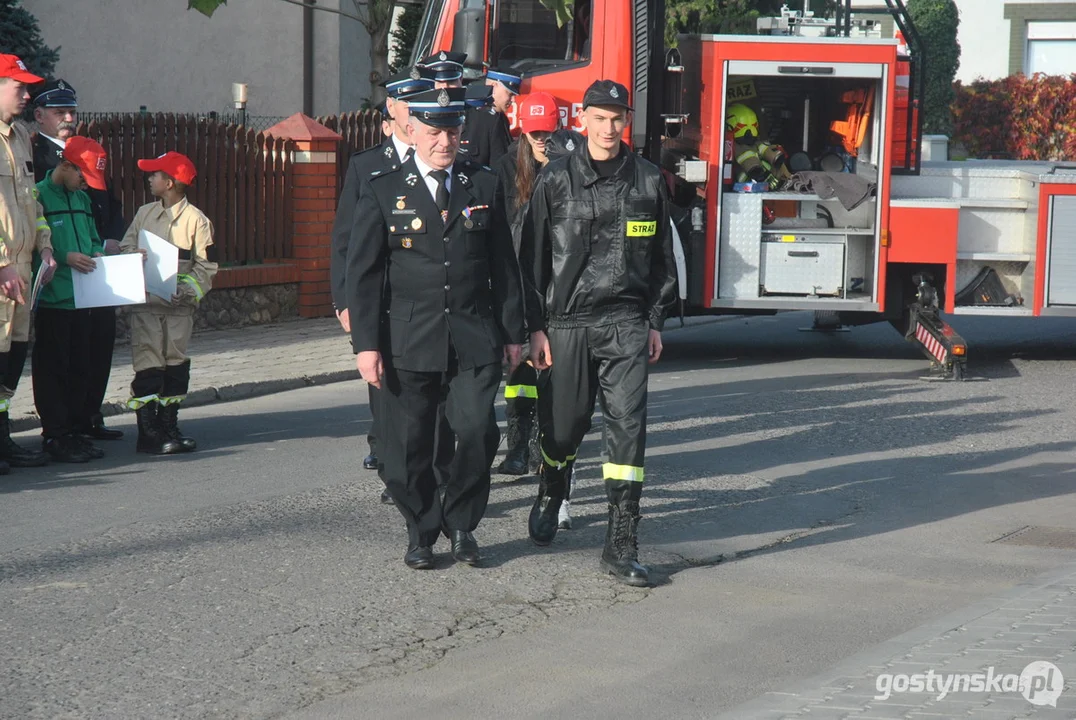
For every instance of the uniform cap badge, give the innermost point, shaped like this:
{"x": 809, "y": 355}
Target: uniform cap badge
{"x": 614, "y": 93}
{"x": 443, "y": 99}
{"x": 442, "y": 56}
{"x": 570, "y": 145}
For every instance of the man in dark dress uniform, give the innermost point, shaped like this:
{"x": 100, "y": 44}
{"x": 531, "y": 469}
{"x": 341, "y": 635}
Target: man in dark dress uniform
{"x": 487, "y": 136}
{"x": 56, "y": 113}
{"x": 430, "y": 248}
{"x": 361, "y": 167}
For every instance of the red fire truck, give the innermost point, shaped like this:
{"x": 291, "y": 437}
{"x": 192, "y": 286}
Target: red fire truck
{"x": 975, "y": 237}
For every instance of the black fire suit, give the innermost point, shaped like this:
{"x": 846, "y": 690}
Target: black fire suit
{"x": 598, "y": 271}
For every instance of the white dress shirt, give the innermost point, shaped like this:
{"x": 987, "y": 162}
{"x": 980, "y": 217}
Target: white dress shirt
{"x": 431, "y": 182}
{"x": 55, "y": 140}
{"x": 401, "y": 147}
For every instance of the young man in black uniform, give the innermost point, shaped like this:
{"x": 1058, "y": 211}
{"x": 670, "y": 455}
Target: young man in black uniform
{"x": 598, "y": 268}
{"x": 429, "y": 249}
{"x": 487, "y": 135}
{"x": 56, "y": 114}
{"x": 361, "y": 167}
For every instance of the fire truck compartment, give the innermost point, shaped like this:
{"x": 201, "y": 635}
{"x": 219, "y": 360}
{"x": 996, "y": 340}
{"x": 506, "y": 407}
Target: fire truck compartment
{"x": 782, "y": 248}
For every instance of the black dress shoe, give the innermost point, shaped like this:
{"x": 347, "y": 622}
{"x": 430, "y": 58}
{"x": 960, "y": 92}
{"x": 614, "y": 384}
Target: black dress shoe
{"x": 386, "y": 499}
{"x": 64, "y": 449}
{"x": 465, "y": 547}
{"x": 419, "y": 557}
{"x": 370, "y": 462}
{"x": 89, "y": 448}
{"x": 99, "y": 431}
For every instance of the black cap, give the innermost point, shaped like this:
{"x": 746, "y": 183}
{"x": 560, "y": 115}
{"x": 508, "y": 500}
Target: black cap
{"x": 446, "y": 66}
{"x": 409, "y": 82}
{"x": 564, "y": 142}
{"x": 478, "y": 95}
{"x": 440, "y": 108}
{"x": 507, "y": 77}
{"x": 55, "y": 93}
{"x": 606, "y": 93}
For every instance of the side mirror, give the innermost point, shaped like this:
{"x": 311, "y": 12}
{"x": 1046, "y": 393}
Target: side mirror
{"x": 469, "y": 35}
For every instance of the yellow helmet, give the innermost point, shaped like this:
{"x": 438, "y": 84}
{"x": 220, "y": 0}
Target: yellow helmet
{"x": 741, "y": 120}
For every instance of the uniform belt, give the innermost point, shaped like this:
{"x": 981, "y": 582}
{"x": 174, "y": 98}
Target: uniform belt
{"x": 601, "y": 316}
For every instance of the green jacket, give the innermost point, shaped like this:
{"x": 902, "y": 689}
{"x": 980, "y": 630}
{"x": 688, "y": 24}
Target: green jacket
{"x": 70, "y": 217}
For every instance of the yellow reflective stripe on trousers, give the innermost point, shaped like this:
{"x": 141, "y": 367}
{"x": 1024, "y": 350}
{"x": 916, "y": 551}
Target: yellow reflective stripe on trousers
{"x": 515, "y": 391}
{"x": 612, "y": 471}
{"x": 557, "y": 464}
{"x": 194, "y": 284}
{"x": 137, "y": 403}
{"x": 170, "y": 399}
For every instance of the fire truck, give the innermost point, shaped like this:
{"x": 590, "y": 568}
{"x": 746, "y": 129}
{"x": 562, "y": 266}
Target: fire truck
{"x": 876, "y": 235}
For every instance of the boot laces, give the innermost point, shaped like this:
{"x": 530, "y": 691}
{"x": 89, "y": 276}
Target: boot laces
{"x": 624, "y": 524}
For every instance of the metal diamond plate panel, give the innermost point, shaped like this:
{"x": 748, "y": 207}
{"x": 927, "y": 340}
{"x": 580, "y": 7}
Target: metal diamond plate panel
{"x": 1062, "y": 244}
{"x": 741, "y": 235}
{"x": 993, "y": 230}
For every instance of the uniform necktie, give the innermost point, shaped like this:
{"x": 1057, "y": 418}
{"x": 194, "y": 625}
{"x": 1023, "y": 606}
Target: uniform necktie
{"x": 441, "y": 198}
{"x": 407, "y": 154}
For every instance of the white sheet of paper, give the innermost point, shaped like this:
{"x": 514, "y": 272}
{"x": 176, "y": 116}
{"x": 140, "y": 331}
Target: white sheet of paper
{"x": 117, "y": 280}
{"x": 162, "y": 264}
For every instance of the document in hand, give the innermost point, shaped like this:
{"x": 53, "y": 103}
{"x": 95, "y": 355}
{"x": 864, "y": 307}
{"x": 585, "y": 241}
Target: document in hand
{"x": 35, "y": 294}
{"x": 117, "y": 280}
{"x": 162, "y": 264}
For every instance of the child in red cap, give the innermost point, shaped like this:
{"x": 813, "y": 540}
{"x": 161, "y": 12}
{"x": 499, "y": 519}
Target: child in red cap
{"x": 62, "y": 332}
{"x": 161, "y": 329}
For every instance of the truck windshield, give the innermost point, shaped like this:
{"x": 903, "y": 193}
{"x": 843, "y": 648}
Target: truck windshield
{"x": 528, "y": 37}
{"x": 427, "y": 31}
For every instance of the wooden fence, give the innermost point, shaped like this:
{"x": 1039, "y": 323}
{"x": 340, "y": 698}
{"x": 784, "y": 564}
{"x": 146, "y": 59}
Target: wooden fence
{"x": 243, "y": 185}
{"x": 360, "y": 130}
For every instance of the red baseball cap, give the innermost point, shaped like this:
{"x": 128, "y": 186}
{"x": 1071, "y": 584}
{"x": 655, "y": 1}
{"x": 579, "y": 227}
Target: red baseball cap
{"x": 12, "y": 67}
{"x": 177, "y": 165}
{"x": 538, "y": 113}
{"x": 89, "y": 157}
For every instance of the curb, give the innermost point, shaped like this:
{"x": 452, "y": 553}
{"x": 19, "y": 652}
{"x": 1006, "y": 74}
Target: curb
{"x": 259, "y": 388}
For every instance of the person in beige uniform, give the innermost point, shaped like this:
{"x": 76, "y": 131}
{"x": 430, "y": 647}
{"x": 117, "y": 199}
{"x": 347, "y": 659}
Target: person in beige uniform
{"x": 161, "y": 330}
{"x": 22, "y": 231}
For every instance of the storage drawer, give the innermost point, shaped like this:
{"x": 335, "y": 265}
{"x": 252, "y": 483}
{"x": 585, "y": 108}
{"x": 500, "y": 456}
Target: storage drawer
{"x": 801, "y": 268}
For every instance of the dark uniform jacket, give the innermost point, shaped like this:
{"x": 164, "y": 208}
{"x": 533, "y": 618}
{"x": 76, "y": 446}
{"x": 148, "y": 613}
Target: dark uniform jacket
{"x": 107, "y": 210}
{"x": 597, "y": 250}
{"x": 435, "y": 282}
{"x": 362, "y": 165}
{"x": 486, "y": 136}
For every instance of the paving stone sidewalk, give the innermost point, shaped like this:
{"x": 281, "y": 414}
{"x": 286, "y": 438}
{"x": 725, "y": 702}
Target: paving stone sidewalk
{"x": 244, "y": 362}
{"x": 1000, "y": 636}
{"x": 232, "y": 364}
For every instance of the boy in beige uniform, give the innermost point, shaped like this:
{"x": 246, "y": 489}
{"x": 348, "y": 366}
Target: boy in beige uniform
{"x": 160, "y": 330}
{"x": 22, "y": 231}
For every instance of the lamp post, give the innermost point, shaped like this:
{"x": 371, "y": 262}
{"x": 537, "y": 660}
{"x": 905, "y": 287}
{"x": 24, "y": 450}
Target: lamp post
{"x": 239, "y": 97}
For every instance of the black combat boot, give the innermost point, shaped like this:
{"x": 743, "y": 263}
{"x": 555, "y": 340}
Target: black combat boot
{"x": 168, "y": 418}
{"x": 544, "y": 517}
{"x": 152, "y": 438}
{"x": 517, "y": 459}
{"x": 14, "y": 454}
{"x": 620, "y": 558}
{"x": 177, "y": 380}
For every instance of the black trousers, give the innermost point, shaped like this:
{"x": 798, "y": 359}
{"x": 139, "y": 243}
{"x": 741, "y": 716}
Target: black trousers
{"x": 410, "y": 431}
{"x": 61, "y": 344}
{"x": 612, "y": 359}
{"x": 521, "y": 391}
{"x": 99, "y": 357}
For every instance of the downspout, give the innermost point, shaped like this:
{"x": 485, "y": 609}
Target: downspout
{"x": 308, "y": 58}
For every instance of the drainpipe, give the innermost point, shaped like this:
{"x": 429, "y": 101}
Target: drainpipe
{"x": 308, "y": 58}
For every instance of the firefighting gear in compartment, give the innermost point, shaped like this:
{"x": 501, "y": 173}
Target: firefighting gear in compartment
{"x": 598, "y": 271}
{"x": 756, "y": 161}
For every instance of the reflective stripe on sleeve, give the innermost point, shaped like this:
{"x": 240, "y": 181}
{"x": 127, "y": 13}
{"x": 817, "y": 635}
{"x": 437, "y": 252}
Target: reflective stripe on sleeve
{"x": 194, "y": 284}
{"x": 612, "y": 471}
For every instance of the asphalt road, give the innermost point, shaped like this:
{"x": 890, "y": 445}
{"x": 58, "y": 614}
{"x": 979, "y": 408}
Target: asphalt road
{"x": 807, "y": 497}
